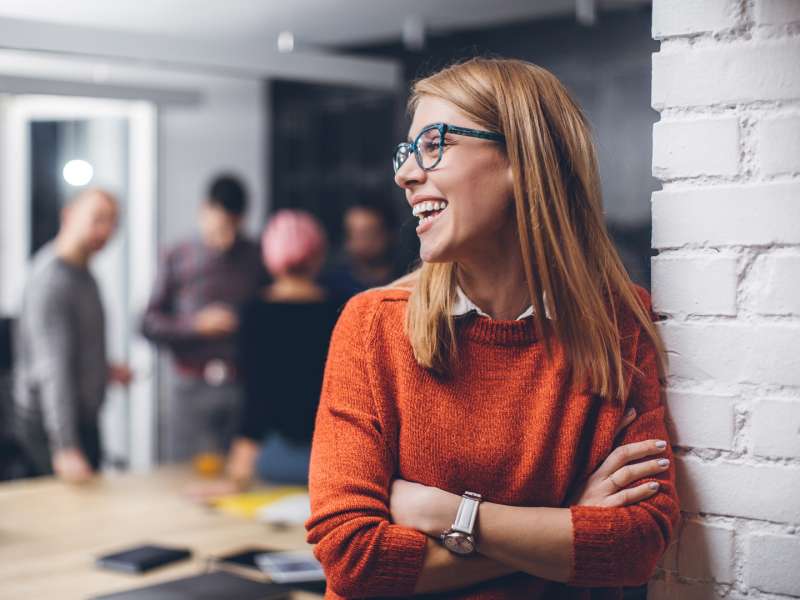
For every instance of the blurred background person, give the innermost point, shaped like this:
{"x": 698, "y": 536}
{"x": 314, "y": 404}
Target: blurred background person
{"x": 61, "y": 370}
{"x": 369, "y": 253}
{"x": 283, "y": 344}
{"x": 201, "y": 286}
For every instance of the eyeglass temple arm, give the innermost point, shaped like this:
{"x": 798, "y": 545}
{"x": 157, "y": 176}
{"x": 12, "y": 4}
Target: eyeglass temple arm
{"x": 486, "y": 135}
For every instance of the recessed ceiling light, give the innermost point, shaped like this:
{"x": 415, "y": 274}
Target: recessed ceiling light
{"x": 77, "y": 172}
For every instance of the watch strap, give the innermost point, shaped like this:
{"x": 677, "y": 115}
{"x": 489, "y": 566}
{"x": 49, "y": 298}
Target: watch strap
{"x": 467, "y": 513}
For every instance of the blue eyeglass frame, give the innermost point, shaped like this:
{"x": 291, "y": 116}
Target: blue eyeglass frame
{"x": 407, "y": 148}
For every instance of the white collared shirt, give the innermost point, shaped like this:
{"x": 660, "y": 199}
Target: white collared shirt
{"x": 463, "y": 305}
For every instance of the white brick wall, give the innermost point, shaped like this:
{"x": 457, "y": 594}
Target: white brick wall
{"x": 680, "y": 148}
{"x": 778, "y": 145}
{"x": 776, "y": 427}
{"x": 726, "y": 81}
{"x": 776, "y": 284}
{"x": 695, "y": 16}
{"x": 743, "y": 71}
{"x": 695, "y": 285}
{"x": 773, "y": 563}
{"x": 706, "y": 552}
{"x": 702, "y": 420}
{"x": 748, "y": 214}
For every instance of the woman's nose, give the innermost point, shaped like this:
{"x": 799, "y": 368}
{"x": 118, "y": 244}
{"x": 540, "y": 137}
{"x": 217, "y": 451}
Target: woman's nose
{"x": 409, "y": 173}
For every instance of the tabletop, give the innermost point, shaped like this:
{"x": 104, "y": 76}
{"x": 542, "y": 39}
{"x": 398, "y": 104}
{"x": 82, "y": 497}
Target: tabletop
{"x": 52, "y": 532}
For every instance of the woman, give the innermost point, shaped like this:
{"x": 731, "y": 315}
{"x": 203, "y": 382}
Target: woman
{"x": 283, "y": 341}
{"x": 500, "y": 370}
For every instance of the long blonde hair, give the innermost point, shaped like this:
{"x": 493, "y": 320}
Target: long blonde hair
{"x": 570, "y": 262}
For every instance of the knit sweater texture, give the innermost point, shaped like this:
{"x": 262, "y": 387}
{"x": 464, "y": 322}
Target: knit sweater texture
{"x": 507, "y": 424}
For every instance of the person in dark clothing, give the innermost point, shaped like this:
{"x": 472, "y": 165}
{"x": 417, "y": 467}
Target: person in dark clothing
{"x": 202, "y": 285}
{"x": 283, "y": 342}
{"x": 282, "y": 381}
{"x": 369, "y": 259}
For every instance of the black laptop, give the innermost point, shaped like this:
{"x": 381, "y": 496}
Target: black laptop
{"x": 207, "y": 586}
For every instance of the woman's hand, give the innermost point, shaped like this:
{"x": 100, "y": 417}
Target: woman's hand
{"x": 604, "y": 486}
{"x": 421, "y": 507}
{"x": 205, "y": 492}
{"x": 238, "y": 473}
{"x": 242, "y": 461}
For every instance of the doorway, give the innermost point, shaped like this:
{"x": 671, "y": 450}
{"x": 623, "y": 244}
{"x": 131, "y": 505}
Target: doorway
{"x": 51, "y": 147}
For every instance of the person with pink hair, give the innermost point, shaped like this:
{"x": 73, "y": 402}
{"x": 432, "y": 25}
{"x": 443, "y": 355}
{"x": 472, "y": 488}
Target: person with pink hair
{"x": 283, "y": 344}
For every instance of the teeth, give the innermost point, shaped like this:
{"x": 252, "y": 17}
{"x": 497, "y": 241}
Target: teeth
{"x": 424, "y": 207}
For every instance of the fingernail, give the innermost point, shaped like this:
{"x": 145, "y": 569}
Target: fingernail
{"x": 653, "y": 485}
{"x": 631, "y": 412}
{"x": 663, "y": 462}
{"x": 661, "y": 444}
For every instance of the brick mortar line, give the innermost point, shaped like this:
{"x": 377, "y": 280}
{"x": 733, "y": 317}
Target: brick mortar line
{"x": 703, "y": 182}
{"x": 714, "y": 456}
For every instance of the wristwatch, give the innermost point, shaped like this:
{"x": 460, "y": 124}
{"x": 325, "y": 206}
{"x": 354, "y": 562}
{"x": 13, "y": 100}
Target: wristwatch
{"x": 460, "y": 538}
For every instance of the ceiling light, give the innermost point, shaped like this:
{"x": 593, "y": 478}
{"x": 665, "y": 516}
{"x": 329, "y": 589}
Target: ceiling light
{"x": 77, "y": 172}
{"x": 285, "y": 41}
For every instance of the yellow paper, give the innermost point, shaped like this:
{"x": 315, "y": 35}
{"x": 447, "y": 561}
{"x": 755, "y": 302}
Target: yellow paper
{"x": 247, "y": 504}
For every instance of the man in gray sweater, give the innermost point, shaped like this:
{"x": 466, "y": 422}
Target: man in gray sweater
{"x": 61, "y": 370}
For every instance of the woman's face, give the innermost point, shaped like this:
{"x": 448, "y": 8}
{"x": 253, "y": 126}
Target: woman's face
{"x": 473, "y": 180}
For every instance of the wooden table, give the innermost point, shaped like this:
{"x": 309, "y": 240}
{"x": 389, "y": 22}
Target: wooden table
{"x": 50, "y": 533}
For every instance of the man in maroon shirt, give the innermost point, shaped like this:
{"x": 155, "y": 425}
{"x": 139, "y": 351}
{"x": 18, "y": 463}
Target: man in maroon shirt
{"x": 201, "y": 285}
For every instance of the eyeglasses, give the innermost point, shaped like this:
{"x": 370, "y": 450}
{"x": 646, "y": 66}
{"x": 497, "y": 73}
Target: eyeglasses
{"x": 428, "y": 146}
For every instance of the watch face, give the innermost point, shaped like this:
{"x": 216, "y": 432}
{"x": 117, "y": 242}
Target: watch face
{"x": 460, "y": 543}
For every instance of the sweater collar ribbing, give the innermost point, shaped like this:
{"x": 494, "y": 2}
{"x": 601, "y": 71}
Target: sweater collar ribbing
{"x": 496, "y": 332}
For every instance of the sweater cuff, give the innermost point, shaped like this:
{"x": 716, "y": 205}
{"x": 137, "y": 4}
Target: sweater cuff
{"x": 401, "y": 559}
{"x": 596, "y": 534}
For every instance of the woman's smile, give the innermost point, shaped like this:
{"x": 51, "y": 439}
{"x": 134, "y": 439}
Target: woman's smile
{"x": 428, "y": 211}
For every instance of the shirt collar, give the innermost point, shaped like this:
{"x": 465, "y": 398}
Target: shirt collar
{"x": 463, "y": 305}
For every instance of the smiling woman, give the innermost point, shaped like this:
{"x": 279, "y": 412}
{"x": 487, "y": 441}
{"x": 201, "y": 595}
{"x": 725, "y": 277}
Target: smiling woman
{"x": 473, "y": 434}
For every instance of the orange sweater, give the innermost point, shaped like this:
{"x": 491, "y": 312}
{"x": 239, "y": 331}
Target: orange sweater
{"x": 507, "y": 426}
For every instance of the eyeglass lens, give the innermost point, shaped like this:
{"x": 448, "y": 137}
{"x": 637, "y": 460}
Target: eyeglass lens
{"x": 428, "y": 150}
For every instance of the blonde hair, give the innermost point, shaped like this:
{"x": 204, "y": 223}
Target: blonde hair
{"x": 569, "y": 259}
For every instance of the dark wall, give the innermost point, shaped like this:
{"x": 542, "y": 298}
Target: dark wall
{"x": 331, "y": 147}
{"x": 607, "y": 67}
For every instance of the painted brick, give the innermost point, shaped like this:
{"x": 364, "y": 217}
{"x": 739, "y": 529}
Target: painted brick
{"x": 766, "y": 492}
{"x": 772, "y": 562}
{"x": 706, "y": 552}
{"x": 727, "y": 215}
{"x": 680, "y": 148}
{"x": 701, "y": 420}
{"x": 727, "y": 73}
{"x": 695, "y": 285}
{"x": 695, "y": 16}
{"x": 775, "y": 427}
{"x": 777, "y": 12}
{"x": 734, "y": 351}
{"x": 778, "y": 144}
{"x": 775, "y": 284}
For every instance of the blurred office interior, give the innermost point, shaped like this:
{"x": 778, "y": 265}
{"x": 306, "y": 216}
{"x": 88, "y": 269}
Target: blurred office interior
{"x": 304, "y": 101}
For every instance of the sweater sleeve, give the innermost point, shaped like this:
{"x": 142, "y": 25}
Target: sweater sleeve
{"x": 621, "y": 546}
{"x": 362, "y": 552}
{"x": 54, "y": 341}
